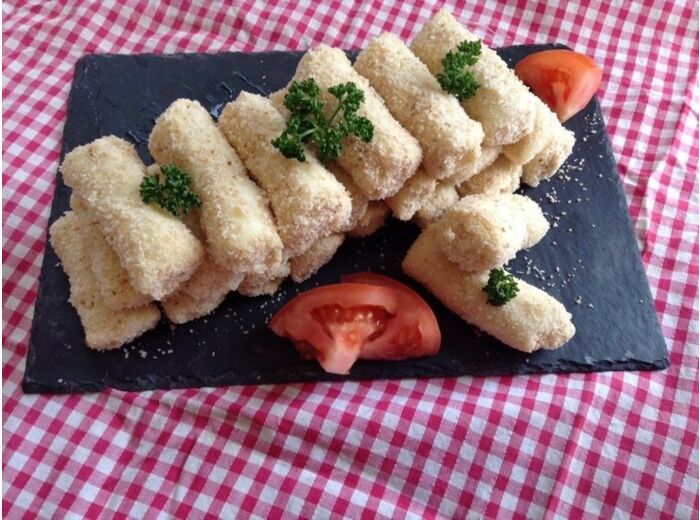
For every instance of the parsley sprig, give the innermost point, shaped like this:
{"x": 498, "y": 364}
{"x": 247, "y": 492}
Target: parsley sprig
{"x": 501, "y": 287}
{"x": 455, "y": 78}
{"x": 308, "y": 124}
{"x": 173, "y": 194}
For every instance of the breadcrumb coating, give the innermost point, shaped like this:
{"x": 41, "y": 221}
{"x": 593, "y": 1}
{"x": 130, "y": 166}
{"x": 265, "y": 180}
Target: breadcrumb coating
{"x": 358, "y": 200}
{"x": 482, "y": 232}
{"x": 487, "y": 157}
{"x": 235, "y": 215}
{"x": 549, "y": 160}
{"x": 107, "y": 174}
{"x": 503, "y": 176}
{"x": 206, "y": 289}
{"x": 500, "y": 103}
{"x": 319, "y": 254}
{"x": 374, "y": 218}
{"x": 450, "y": 139}
{"x": 307, "y": 200}
{"x": 412, "y": 196}
{"x": 532, "y": 143}
{"x": 381, "y": 166}
{"x": 105, "y": 328}
{"x": 112, "y": 279}
{"x": 532, "y": 320}
{"x": 545, "y": 149}
{"x": 444, "y": 196}
{"x": 265, "y": 283}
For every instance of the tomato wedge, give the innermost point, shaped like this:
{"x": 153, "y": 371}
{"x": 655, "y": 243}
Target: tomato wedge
{"x": 339, "y": 323}
{"x": 564, "y": 79}
{"x": 419, "y": 332}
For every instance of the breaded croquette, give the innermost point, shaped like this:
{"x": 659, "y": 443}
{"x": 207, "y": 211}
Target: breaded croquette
{"x": 450, "y": 139}
{"x": 532, "y": 143}
{"x": 202, "y": 293}
{"x": 503, "y": 176}
{"x": 444, "y": 196}
{"x": 105, "y": 328}
{"x": 483, "y": 232}
{"x": 545, "y": 149}
{"x": 112, "y": 279}
{"x": 550, "y": 158}
{"x": 374, "y": 218}
{"x": 319, "y": 254}
{"x": 235, "y": 215}
{"x": 259, "y": 284}
{"x": 532, "y": 320}
{"x": 412, "y": 196}
{"x": 358, "y": 200}
{"x": 206, "y": 288}
{"x": 308, "y": 202}
{"x": 107, "y": 174}
{"x": 488, "y": 155}
{"x": 381, "y": 166}
{"x": 500, "y": 103}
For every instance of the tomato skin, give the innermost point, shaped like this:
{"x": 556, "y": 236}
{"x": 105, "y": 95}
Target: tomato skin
{"x": 375, "y": 318}
{"x": 564, "y": 79}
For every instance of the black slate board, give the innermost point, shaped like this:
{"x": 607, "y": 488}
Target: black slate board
{"x": 593, "y": 245}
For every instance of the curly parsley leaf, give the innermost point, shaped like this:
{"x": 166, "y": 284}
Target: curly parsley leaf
{"x": 501, "y": 287}
{"x": 171, "y": 192}
{"x": 308, "y": 124}
{"x": 454, "y": 78}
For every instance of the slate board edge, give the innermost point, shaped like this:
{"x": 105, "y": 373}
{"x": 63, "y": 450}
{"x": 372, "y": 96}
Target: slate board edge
{"x": 35, "y": 387}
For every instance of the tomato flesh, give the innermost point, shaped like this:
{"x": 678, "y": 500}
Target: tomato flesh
{"x": 564, "y": 79}
{"x": 418, "y": 334}
{"x": 369, "y": 319}
{"x": 333, "y": 322}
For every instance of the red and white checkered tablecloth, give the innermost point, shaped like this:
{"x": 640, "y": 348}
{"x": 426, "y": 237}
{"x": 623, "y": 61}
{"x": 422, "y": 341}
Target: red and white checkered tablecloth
{"x": 613, "y": 445}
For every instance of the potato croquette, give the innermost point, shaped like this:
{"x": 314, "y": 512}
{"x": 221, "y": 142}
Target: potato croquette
{"x": 105, "y": 328}
{"x": 549, "y": 160}
{"x": 503, "y": 176}
{"x": 412, "y": 196}
{"x": 482, "y": 232}
{"x": 235, "y": 215}
{"x": 202, "y": 293}
{"x": 259, "y": 284}
{"x": 307, "y": 201}
{"x": 374, "y": 218}
{"x": 500, "y": 103}
{"x": 488, "y": 155}
{"x": 444, "y": 196}
{"x": 381, "y": 166}
{"x": 545, "y": 149}
{"x": 207, "y": 287}
{"x": 450, "y": 139}
{"x": 112, "y": 279}
{"x": 106, "y": 174}
{"x": 319, "y": 254}
{"x": 532, "y": 320}
{"x": 358, "y": 200}
{"x": 532, "y": 143}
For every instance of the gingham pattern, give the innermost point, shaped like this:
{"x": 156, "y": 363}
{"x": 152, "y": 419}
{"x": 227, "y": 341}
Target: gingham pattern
{"x": 607, "y": 444}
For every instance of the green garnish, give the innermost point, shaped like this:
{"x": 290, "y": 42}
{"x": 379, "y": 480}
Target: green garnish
{"x": 501, "y": 287}
{"x": 173, "y": 194}
{"x": 307, "y": 124}
{"x": 455, "y": 79}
